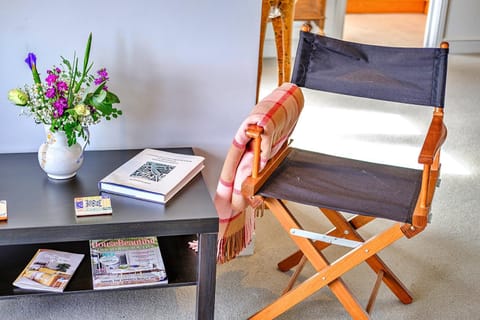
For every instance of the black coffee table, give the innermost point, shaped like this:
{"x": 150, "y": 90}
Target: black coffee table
{"x": 41, "y": 215}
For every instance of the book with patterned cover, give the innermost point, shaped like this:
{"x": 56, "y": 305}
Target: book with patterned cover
{"x": 152, "y": 175}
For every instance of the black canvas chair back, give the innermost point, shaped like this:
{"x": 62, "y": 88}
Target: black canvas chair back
{"x": 407, "y": 75}
{"x": 337, "y": 185}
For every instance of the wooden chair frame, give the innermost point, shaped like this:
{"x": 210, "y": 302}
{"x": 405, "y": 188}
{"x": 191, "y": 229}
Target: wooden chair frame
{"x": 329, "y": 274}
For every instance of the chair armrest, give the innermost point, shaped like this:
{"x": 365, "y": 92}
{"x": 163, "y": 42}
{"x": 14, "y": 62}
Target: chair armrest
{"x": 430, "y": 158}
{"x": 254, "y": 132}
{"x": 436, "y": 135}
{"x": 255, "y": 181}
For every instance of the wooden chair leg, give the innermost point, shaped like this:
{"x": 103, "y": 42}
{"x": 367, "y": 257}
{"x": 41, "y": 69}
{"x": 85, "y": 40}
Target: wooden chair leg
{"x": 316, "y": 282}
{"x": 287, "y": 9}
{"x": 302, "y": 259}
{"x": 329, "y": 274}
{"x": 295, "y": 275}
{"x": 377, "y": 265}
{"x": 263, "y": 28}
{"x": 277, "y": 24}
{"x": 282, "y": 27}
{"x": 373, "y": 296}
{"x": 342, "y": 226}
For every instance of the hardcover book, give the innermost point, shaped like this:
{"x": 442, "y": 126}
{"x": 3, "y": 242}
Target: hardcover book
{"x": 153, "y": 175}
{"x": 128, "y": 262}
{"x": 49, "y": 270}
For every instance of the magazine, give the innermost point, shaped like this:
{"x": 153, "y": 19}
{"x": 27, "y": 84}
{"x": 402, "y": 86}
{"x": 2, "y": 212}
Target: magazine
{"x": 153, "y": 175}
{"x": 49, "y": 270}
{"x": 128, "y": 262}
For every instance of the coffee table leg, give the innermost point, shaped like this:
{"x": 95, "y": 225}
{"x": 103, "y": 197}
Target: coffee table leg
{"x": 207, "y": 270}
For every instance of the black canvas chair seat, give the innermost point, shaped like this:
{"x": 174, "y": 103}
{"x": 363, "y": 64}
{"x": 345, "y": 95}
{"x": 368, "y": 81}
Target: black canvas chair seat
{"x": 347, "y": 185}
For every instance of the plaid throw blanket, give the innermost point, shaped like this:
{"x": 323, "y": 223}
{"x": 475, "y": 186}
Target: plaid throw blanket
{"x": 277, "y": 114}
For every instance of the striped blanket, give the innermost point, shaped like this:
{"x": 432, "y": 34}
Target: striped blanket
{"x": 277, "y": 114}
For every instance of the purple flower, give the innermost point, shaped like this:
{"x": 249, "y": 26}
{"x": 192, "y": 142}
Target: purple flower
{"x": 102, "y": 77}
{"x": 103, "y": 73}
{"x": 50, "y": 93}
{"x": 60, "y": 105}
{"x": 51, "y": 78}
{"x": 62, "y": 86}
{"x": 31, "y": 60}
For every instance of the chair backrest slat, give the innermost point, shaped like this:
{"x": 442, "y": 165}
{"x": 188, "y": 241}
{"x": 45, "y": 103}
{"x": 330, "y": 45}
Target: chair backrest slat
{"x": 408, "y": 75}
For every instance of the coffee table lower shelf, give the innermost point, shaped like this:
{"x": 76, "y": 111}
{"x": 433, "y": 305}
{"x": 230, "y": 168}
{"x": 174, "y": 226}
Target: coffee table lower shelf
{"x": 180, "y": 264}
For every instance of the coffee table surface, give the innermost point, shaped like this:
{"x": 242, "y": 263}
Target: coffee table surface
{"x": 41, "y": 209}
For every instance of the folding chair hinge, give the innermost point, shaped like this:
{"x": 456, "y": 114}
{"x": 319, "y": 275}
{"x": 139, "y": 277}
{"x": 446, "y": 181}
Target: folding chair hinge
{"x": 410, "y": 231}
{"x": 324, "y": 238}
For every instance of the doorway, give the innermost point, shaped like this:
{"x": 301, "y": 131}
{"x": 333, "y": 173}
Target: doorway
{"x": 387, "y": 6}
{"x": 386, "y": 22}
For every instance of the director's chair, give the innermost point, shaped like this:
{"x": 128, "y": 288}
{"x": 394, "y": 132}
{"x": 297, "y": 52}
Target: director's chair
{"x": 415, "y": 77}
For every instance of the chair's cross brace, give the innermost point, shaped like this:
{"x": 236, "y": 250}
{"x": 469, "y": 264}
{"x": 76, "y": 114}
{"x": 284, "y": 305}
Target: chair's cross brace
{"x": 375, "y": 289}
{"x": 377, "y": 265}
{"x": 325, "y": 238}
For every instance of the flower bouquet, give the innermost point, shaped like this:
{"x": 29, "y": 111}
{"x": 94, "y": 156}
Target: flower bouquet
{"x": 70, "y": 99}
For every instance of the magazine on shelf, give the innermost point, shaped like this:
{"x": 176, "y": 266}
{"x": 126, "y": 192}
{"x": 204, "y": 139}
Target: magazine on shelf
{"x": 127, "y": 262}
{"x": 153, "y": 175}
{"x": 49, "y": 270}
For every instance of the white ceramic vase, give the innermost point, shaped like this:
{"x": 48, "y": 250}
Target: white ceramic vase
{"x": 57, "y": 159}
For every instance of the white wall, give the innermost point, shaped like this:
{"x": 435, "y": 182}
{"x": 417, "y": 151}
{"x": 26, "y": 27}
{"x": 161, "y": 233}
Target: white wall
{"x": 462, "y": 26}
{"x": 185, "y": 70}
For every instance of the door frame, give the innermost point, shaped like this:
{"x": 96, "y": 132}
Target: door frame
{"x": 434, "y": 27}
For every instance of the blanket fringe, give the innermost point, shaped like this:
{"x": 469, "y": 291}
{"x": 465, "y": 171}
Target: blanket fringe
{"x": 232, "y": 243}
{"x": 230, "y": 247}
